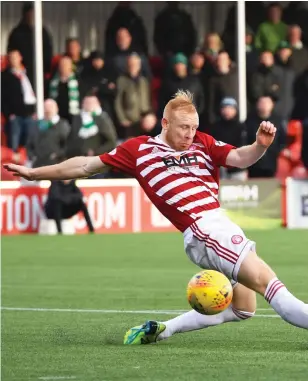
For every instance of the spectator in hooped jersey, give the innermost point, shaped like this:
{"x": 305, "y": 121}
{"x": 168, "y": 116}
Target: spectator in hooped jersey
{"x": 66, "y": 89}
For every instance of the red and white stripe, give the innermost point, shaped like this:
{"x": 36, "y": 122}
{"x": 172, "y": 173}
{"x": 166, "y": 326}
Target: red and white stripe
{"x": 213, "y": 244}
{"x": 189, "y": 190}
{"x": 272, "y": 291}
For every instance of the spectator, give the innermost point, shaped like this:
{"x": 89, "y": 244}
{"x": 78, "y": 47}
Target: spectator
{"x": 93, "y": 132}
{"x": 132, "y": 99}
{"x": 266, "y": 80}
{"x": 73, "y": 50}
{"x": 149, "y": 124}
{"x": 224, "y": 83}
{"x": 22, "y": 39}
{"x": 285, "y": 104}
{"x": 300, "y": 111}
{"x": 66, "y": 89}
{"x": 117, "y": 61}
{"x": 296, "y": 12}
{"x": 212, "y": 46}
{"x": 99, "y": 81}
{"x": 300, "y": 53}
{"x": 64, "y": 201}
{"x": 271, "y": 32}
{"x": 180, "y": 79}
{"x": 252, "y": 57}
{"x": 47, "y": 142}
{"x": 174, "y": 31}
{"x": 17, "y": 102}
{"x": 124, "y": 16}
{"x": 255, "y": 15}
{"x": 196, "y": 64}
{"x": 229, "y": 130}
{"x": 267, "y": 165}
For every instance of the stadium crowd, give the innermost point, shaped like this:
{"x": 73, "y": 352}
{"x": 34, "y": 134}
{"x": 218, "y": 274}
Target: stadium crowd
{"x": 93, "y": 103}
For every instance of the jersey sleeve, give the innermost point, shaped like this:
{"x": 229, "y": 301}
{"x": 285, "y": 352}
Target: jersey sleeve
{"x": 219, "y": 151}
{"x": 122, "y": 158}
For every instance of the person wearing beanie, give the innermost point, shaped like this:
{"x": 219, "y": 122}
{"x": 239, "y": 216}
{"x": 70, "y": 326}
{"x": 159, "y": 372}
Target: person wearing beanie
{"x": 230, "y": 130}
{"x": 180, "y": 78}
{"x": 285, "y": 104}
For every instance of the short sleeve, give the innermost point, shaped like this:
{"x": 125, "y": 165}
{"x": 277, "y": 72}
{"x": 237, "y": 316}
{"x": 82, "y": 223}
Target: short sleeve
{"x": 122, "y": 158}
{"x": 219, "y": 151}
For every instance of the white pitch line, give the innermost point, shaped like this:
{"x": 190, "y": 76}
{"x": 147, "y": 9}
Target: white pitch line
{"x": 158, "y": 312}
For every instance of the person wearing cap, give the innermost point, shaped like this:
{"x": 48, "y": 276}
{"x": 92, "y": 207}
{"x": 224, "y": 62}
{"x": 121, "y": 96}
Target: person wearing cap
{"x": 21, "y": 38}
{"x": 285, "y": 104}
{"x": 180, "y": 78}
{"x": 229, "y": 129}
{"x": 272, "y": 31}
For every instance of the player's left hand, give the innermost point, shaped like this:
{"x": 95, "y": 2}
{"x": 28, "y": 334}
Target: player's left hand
{"x": 266, "y": 134}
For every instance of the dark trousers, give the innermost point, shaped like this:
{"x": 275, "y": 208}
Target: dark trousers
{"x": 18, "y": 130}
{"x": 56, "y": 210}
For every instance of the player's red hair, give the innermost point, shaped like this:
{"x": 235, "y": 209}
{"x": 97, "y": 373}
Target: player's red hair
{"x": 182, "y": 100}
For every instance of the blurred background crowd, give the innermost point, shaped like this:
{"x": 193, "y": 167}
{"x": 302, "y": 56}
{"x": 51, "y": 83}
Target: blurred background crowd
{"x": 94, "y": 102}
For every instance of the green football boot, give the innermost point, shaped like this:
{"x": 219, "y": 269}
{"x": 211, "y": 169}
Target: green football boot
{"x": 144, "y": 334}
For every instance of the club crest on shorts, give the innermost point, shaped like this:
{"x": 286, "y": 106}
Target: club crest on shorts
{"x": 236, "y": 239}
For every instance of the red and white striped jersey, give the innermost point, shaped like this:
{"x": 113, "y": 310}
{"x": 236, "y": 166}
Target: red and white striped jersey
{"x": 182, "y": 185}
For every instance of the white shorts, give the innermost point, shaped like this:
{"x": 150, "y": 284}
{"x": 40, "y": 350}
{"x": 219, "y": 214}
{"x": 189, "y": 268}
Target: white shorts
{"x": 214, "y": 242}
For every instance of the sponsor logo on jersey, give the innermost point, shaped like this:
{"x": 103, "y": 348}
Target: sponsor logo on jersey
{"x": 184, "y": 161}
{"x": 237, "y": 239}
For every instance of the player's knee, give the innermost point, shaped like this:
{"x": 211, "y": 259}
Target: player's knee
{"x": 244, "y": 299}
{"x": 242, "y": 314}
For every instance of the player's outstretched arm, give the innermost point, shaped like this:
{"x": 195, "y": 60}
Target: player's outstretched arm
{"x": 246, "y": 156}
{"x": 74, "y": 168}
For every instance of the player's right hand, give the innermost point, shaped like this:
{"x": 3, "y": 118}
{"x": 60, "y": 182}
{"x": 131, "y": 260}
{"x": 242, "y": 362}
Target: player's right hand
{"x": 19, "y": 170}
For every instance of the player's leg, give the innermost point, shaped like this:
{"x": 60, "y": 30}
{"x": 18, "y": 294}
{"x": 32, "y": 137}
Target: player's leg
{"x": 255, "y": 274}
{"x": 243, "y": 307}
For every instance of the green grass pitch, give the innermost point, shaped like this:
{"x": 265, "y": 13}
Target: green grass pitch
{"x": 137, "y": 273}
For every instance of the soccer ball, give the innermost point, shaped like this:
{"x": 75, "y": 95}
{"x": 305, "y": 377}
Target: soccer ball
{"x": 209, "y": 292}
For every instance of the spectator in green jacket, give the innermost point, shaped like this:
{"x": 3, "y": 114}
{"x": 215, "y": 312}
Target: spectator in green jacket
{"x": 271, "y": 32}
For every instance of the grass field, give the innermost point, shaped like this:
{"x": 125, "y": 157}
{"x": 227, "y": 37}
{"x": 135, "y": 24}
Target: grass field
{"x": 66, "y": 276}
